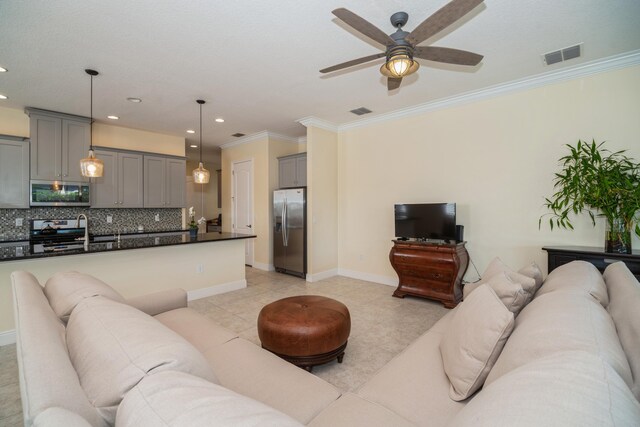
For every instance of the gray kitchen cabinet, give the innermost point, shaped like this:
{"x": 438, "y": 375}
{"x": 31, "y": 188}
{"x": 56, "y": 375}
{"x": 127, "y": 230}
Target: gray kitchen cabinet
{"x": 58, "y": 143}
{"x": 164, "y": 182}
{"x": 292, "y": 170}
{"x": 121, "y": 185}
{"x": 14, "y": 172}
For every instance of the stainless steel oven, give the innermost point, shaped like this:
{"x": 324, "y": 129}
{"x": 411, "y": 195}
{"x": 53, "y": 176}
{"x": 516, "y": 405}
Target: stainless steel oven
{"x": 59, "y": 193}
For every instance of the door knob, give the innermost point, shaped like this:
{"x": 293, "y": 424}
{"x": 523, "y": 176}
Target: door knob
{"x": 249, "y": 226}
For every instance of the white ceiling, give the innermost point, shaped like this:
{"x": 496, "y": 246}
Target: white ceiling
{"x": 256, "y": 62}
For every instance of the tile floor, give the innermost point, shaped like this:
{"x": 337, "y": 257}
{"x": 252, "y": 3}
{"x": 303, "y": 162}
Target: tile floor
{"x": 381, "y": 327}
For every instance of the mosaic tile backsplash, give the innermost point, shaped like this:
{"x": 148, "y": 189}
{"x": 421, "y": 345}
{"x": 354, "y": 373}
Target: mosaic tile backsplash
{"x": 124, "y": 220}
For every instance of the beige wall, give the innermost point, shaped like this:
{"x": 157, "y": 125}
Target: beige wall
{"x": 138, "y": 272}
{"x": 322, "y": 200}
{"x": 14, "y": 122}
{"x": 495, "y": 158}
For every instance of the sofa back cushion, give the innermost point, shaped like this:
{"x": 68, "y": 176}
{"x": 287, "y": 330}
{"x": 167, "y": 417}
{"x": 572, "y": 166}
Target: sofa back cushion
{"x": 176, "y": 399}
{"x": 577, "y": 277}
{"x": 47, "y": 377}
{"x": 66, "y": 289}
{"x": 474, "y": 340}
{"x": 113, "y": 346}
{"x": 565, "y": 389}
{"x": 557, "y": 322}
{"x": 624, "y": 308}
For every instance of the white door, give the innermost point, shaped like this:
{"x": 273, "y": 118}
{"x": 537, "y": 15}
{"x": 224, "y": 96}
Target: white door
{"x": 242, "y": 198}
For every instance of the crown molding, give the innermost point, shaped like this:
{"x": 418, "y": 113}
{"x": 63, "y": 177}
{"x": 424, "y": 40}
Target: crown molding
{"x": 319, "y": 123}
{"x": 256, "y": 136}
{"x": 611, "y": 63}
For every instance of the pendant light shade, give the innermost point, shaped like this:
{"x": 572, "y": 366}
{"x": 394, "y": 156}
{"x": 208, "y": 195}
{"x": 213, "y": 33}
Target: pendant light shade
{"x": 90, "y": 166}
{"x": 200, "y": 174}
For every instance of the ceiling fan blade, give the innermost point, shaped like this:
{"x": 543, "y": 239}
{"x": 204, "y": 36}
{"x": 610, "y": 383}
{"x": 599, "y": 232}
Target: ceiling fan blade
{"x": 448, "y": 55}
{"x": 352, "y": 63}
{"x": 393, "y": 83}
{"x": 363, "y": 26}
{"x": 440, "y": 20}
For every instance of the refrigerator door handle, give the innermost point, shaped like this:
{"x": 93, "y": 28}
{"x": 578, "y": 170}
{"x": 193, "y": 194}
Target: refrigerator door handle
{"x": 284, "y": 223}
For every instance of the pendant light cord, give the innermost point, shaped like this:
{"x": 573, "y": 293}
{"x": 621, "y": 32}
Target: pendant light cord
{"x": 91, "y": 117}
{"x": 200, "y": 133}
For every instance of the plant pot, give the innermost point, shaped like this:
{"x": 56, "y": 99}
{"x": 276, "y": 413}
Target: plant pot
{"x": 617, "y": 237}
{"x": 193, "y": 233}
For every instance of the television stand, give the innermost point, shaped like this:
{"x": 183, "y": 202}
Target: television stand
{"x": 430, "y": 270}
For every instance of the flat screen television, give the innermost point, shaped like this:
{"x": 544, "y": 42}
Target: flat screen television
{"x": 436, "y": 221}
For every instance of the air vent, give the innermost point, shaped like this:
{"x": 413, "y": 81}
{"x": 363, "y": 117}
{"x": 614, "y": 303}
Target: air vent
{"x": 238, "y": 134}
{"x": 360, "y": 111}
{"x": 562, "y": 54}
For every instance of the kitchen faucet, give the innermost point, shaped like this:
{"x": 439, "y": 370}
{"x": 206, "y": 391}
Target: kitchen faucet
{"x": 86, "y": 230}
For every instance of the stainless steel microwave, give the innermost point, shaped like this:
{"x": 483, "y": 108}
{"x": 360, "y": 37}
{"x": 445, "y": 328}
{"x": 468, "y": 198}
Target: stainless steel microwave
{"x": 59, "y": 193}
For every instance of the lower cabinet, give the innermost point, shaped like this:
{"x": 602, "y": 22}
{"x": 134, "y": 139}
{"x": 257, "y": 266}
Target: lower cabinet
{"x": 164, "y": 182}
{"x": 14, "y": 172}
{"x": 121, "y": 185}
{"x": 430, "y": 270}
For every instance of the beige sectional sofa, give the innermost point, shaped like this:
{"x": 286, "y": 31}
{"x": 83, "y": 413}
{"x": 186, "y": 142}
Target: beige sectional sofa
{"x": 88, "y": 357}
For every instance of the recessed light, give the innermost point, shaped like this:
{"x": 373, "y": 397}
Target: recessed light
{"x": 3, "y": 96}
{"x": 191, "y": 131}
{"x": 193, "y": 146}
{"x": 220, "y": 120}
{"x": 136, "y": 100}
{"x": 113, "y": 117}
{"x": 3, "y": 70}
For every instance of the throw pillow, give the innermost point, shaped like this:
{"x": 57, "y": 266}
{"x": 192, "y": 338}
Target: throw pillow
{"x": 65, "y": 290}
{"x": 113, "y": 346}
{"x": 511, "y": 293}
{"x": 474, "y": 340}
{"x": 176, "y": 399}
{"x": 533, "y": 271}
{"x": 495, "y": 266}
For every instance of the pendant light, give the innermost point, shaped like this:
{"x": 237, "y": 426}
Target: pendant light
{"x": 90, "y": 166}
{"x": 200, "y": 175}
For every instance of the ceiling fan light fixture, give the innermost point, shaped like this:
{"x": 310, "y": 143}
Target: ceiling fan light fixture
{"x": 399, "y": 65}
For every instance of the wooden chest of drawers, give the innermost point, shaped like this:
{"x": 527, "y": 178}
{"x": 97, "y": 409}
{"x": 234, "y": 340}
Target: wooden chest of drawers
{"x": 430, "y": 270}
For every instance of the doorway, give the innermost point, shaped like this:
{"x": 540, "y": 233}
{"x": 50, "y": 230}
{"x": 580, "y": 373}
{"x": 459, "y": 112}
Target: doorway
{"x": 242, "y": 203}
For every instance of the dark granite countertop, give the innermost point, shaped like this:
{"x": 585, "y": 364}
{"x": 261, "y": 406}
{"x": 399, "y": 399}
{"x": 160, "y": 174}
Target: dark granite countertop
{"x": 14, "y": 251}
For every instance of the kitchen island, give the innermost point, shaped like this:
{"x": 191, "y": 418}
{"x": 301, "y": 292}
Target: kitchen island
{"x": 209, "y": 264}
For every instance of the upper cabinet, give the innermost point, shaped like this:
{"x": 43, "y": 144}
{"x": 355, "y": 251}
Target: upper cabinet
{"x": 164, "y": 182}
{"x": 58, "y": 143}
{"x": 121, "y": 185}
{"x": 14, "y": 172}
{"x": 292, "y": 170}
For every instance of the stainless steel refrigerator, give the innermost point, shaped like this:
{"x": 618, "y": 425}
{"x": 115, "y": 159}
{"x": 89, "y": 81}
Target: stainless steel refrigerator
{"x": 290, "y": 231}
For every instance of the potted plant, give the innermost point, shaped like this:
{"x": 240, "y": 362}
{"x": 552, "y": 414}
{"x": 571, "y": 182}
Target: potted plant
{"x": 602, "y": 183}
{"x": 193, "y": 224}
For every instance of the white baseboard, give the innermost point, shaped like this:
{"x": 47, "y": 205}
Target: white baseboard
{"x": 7, "y": 337}
{"x": 322, "y": 275}
{"x": 265, "y": 267}
{"x": 216, "y": 290}
{"x": 375, "y": 278}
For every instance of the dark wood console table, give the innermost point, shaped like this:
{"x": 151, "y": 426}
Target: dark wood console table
{"x": 558, "y": 255}
{"x": 429, "y": 270}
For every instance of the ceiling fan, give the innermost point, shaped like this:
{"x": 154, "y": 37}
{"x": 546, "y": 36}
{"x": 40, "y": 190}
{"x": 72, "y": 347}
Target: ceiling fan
{"x": 402, "y": 47}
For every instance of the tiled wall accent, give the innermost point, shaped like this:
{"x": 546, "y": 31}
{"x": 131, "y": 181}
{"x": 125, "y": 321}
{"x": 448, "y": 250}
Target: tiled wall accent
{"x": 124, "y": 220}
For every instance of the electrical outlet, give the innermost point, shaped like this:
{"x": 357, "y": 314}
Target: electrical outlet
{"x": 109, "y": 219}
{"x": 200, "y": 268}
{"x": 157, "y": 217}
{"x": 18, "y": 222}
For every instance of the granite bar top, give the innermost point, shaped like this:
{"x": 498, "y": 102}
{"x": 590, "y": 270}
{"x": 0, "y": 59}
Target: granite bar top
{"x": 15, "y": 251}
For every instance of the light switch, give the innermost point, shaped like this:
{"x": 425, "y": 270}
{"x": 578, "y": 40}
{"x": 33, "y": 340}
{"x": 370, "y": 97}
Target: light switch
{"x": 157, "y": 217}
{"x": 109, "y": 219}
{"x": 18, "y": 222}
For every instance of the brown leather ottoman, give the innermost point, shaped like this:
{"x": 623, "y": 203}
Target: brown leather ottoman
{"x": 305, "y": 330}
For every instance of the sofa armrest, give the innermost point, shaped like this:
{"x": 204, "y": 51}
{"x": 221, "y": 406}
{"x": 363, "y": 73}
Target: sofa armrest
{"x": 160, "y": 302}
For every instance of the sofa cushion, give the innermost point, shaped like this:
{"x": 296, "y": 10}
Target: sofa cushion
{"x": 249, "y": 370}
{"x": 202, "y": 332}
{"x": 624, "y": 308}
{"x": 565, "y": 389}
{"x": 557, "y": 322}
{"x": 352, "y": 410}
{"x": 474, "y": 341}
{"x": 413, "y": 384}
{"x": 47, "y": 377}
{"x": 533, "y": 271}
{"x": 177, "y": 399}
{"x": 113, "y": 346}
{"x": 59, "y": 417}
{"x": 65, "y": 290}
{"x": 577, "y": 277}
